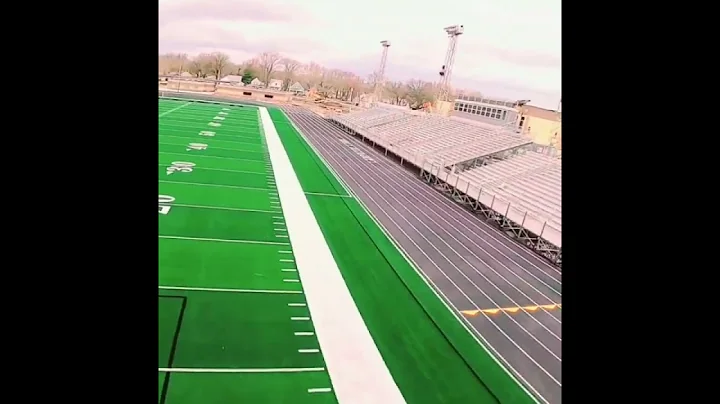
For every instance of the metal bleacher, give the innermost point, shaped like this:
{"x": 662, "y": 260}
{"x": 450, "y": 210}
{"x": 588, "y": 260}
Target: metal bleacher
{"x": 531, "y": 180}
{"x": 490, "y": 169}
{"x": 418, "y": 137}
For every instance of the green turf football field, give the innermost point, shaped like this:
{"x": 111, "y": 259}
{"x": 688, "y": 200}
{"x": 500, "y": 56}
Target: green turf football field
{"x": 233, "y": 325}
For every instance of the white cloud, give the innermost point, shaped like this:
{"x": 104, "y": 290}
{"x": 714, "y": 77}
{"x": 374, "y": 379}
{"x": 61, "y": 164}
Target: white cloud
{"x": 511, "y": 48}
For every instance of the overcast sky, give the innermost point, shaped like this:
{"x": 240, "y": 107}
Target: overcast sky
{"x": 511, "y": 48}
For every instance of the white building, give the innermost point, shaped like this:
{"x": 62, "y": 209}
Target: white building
{"x": 275, "y": 84}
{"x": 232, "y": 79}
{"x": 296, "y": 88}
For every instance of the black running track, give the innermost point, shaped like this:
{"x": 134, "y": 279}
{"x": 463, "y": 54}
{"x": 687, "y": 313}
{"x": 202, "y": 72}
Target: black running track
{"x": 473, "y": 264}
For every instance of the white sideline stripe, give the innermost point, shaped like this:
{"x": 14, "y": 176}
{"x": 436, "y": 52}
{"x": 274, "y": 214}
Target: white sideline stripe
{"x": 304, "y": 334}
{"x": 291, "y": 280}
{"x": 288, "y": 270}
{"x": 174, "y": 109}
{"x": 320, "y": 390}
{"x": 222, "y": 240}
{"x": 308, "y": 350}
{"x": 194, "y": 289}
{"x": 284, "y": 251}
{"x": 228, "y": 370}
{"x": 287, "y": 260}
{"x": 339, "y": 328}
{"x": 323, "y": 194}
{"x": 296, "y": 304}
{"x": 299, "y": 318}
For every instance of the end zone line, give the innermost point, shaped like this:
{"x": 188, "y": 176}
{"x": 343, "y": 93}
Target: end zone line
{"x": 227, "y": 370}
{"x": 221, "y": 240}
{"x": 230, "y": 290}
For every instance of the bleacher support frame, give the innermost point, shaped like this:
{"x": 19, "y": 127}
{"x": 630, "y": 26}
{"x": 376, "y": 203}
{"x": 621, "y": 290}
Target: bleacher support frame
{"x": 482, "y": 160}
{"x": 535, "y": 242}
{"x": 531, "y": 240}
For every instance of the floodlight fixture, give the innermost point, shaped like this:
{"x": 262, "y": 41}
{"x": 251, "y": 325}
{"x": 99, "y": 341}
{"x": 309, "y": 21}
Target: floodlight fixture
{"x": 455, "y": 30}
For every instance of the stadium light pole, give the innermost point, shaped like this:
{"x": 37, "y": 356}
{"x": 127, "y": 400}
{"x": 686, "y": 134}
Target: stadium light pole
{"x": 453, "y": 33}
{"x": 559, "y": 107}
{"x": 380, "y": 79}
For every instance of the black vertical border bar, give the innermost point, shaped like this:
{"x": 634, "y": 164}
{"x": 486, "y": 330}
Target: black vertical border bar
{"x": 171, "y": 359}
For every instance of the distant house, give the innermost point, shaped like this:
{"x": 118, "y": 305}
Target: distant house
{"x": 257, "y": 83}
{"x": 296, "y": 88}
{"x": 232, "y": 79}
{"x": 275, "y": 84}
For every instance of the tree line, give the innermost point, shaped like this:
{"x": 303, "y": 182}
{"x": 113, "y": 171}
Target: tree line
{"x": 327, "y": 82}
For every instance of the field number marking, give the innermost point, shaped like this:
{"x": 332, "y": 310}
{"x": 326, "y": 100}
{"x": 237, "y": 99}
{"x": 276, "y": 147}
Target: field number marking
{"x": 215, "y": 124}
{"x": 206, "y": 133}
{"x": 165, "y": 203}
{"x": 181, "y": 167}
{"x": 196, "y": 146}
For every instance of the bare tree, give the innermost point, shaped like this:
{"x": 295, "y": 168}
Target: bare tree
{"x": 217, "y": 63}
{"x": 268, "y": 62}
{"x": 312, "y": 75}
{"x": 419, "y": 92}
{"x": 173, "y": 63}
{"x": 397, "y": 90}
{"x": 290, "y": 66}
{"x": 197, "y": 65}
{"x": 373, "y": 79}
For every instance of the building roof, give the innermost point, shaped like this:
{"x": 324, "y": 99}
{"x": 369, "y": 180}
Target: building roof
{"x": 232, "y": 77}
{"x": 296, "y": 87}
{"x": 542, "y": 113}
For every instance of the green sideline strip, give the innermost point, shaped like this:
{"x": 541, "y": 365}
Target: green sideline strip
{"x": 431, "y": 356}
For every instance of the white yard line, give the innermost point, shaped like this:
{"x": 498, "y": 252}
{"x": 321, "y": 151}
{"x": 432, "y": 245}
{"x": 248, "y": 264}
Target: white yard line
{"x": 356, "y": 369}
{"x": 174, "y": 109}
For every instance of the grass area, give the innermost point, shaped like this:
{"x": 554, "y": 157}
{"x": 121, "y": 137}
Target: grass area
{"x": 221, "y": 234}
{"x": 222, "y": 335}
